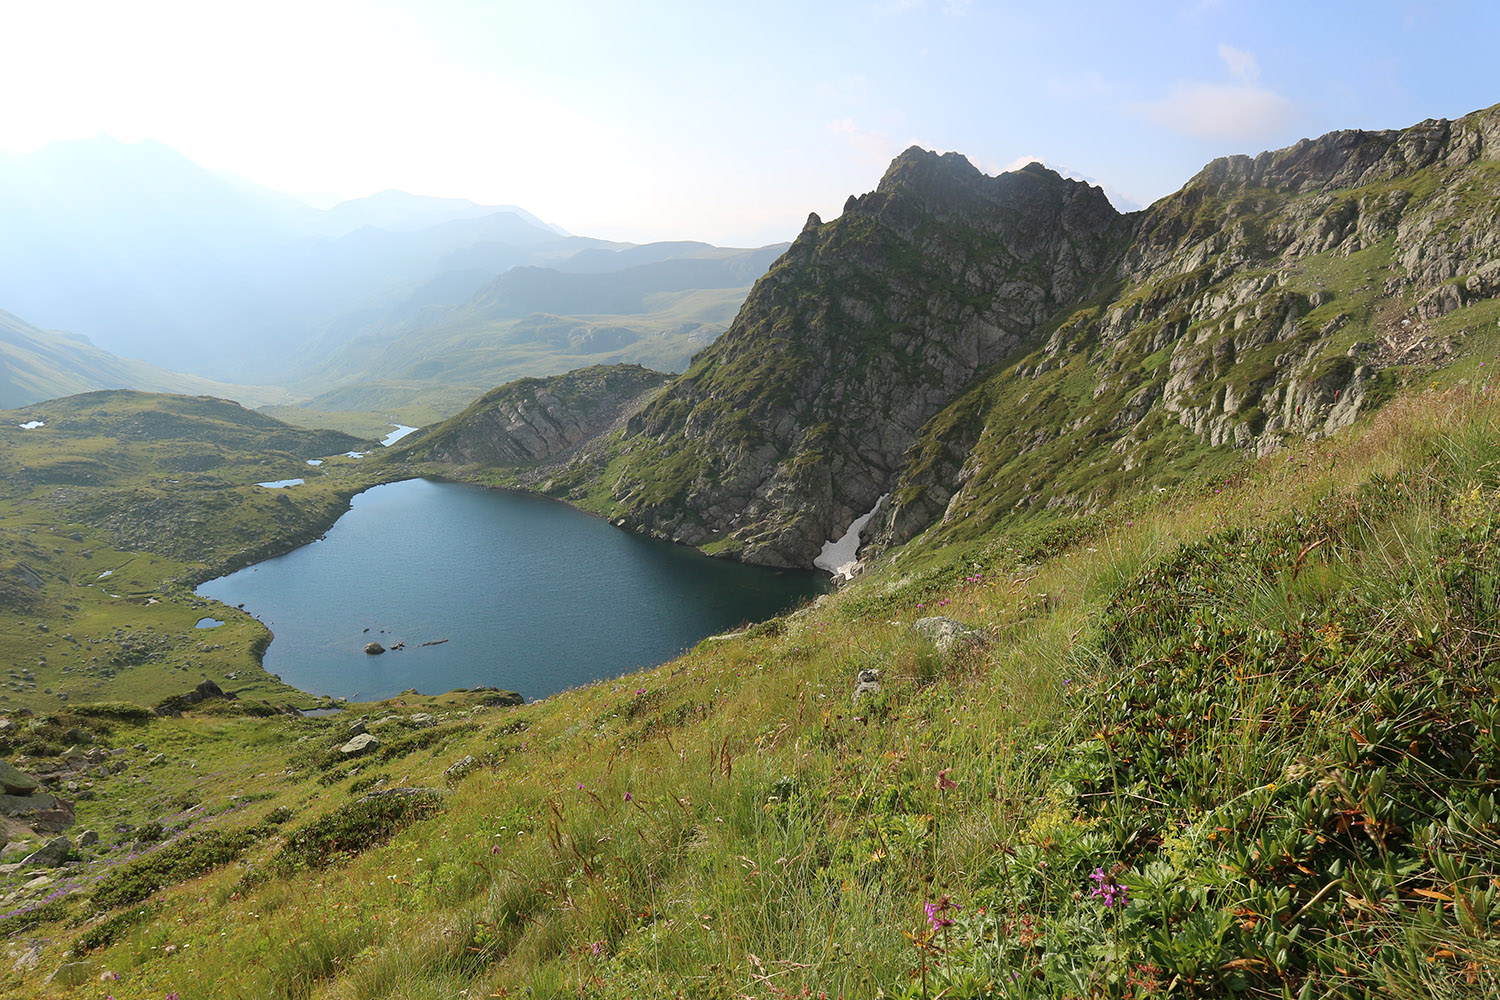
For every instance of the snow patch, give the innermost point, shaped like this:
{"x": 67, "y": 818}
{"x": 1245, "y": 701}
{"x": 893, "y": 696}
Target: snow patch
{"x": 840, "y": 557}
{"x": 396, "y": 435}
{"x": 32, "y": 425}
{"x": 314, "y": 461}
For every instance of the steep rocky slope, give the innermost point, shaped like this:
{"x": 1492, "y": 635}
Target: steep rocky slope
{"x": 799, "y": 418}
{"x": 977, "y": 346}
{"x": 532, "y": 420}
{"x": 1270, "y": 299}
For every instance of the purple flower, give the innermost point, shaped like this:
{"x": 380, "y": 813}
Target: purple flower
{"x": 937, "y": 913}
{"x": 640, "y": 691}
{"x": 1113, "y": 893}
{"x": 627, "y": 796}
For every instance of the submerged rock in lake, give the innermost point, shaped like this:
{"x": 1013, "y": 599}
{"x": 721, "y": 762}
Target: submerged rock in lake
{"x": 374, "y": 648}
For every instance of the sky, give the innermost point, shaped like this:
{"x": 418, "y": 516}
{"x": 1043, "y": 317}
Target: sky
{"x": 641, "y": 120}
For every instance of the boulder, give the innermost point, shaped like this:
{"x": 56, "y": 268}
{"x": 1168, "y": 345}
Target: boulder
{"x": 358, "y": 728}
{"x": 374, "y": 648}
{"x": 30, "y": 956}
{"x": 422, "y": 719}
{"x": 51, "y": 854}
{"x": 362, "y": 744}
{"x": 22, "y": 805}
{"x": 72, "y": 974}
{"x": 460, "y": 767}
{"x": 949, "y": 634}
{"x": 15, "y": 781}
{"x": 208, "y": 689}
{"x": 88, "y": 838}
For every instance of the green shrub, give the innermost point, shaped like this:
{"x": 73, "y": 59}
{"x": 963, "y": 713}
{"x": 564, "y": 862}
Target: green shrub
{"x": 179, "y": 861}
{"x": 353, "y": 829}
{"x": 110, "y": 930}
{"x": 19, "y": 922}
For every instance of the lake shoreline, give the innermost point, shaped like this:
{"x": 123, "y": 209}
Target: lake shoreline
{"x": 665, "y": 613}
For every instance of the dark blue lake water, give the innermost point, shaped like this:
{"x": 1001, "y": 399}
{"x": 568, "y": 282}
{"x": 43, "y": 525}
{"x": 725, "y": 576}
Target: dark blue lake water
{"x": 531, "y": 596}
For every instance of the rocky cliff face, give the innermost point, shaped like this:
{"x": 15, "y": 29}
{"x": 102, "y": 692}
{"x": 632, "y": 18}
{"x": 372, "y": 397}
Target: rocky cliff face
{"x": 977, "y": 346}
{"x": 1271, "y": 299}
{"x": 799, "y": 417}
{"x": 531, "y": 420}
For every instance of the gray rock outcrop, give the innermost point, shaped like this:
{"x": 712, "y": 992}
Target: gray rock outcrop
{"x": 532, "y": 420}
{"x": 16, "y": 781}
{"x": 360, "y": 745}
{"x": 51, "y": 854}
{"x": 950, "y": 634}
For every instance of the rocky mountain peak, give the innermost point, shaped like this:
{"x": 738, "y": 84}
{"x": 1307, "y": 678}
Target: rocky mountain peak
{"x": 1353, "y": 158}
{"x": 957, "y": 348}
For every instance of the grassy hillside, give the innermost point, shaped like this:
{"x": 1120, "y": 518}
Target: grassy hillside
{"x": 114, "y": 507}
{"x": 433, "y": 370}
{"x": 38, "y": 364}
{"x": 1232, "y": 739}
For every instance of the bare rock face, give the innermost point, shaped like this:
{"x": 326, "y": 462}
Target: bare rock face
{"x": 797, "y": 419}
{"x": 532, "y": 420}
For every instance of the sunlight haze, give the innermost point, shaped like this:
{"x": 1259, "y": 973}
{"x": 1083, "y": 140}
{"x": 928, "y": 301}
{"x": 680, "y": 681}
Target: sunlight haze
{"x": 674, "y": 120}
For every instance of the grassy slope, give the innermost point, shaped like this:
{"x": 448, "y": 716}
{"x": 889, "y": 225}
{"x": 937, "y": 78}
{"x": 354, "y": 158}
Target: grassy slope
{"x": 422, "y": 379}
{"x": 113, "y": 510}
{"x": 38, "y": 364}
{"x": 1264, "y": 705}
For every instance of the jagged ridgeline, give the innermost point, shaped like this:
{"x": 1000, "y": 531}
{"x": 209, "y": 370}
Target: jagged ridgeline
{"x": 978, "y": 347}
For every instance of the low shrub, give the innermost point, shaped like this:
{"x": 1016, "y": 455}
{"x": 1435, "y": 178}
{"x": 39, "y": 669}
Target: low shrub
{"x": 178, "y": 861}
{"x": 353, "y": 829}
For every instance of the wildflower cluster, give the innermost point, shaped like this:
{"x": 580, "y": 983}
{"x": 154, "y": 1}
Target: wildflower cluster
{"x": 1113, "y": 893}
{"x": 937, "y": 913}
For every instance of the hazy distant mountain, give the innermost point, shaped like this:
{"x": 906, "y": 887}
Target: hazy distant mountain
{"x": 525, "y": 290}
{"x": 40, "y": 364}
{"x": 153, "y": 256}
{"x": 467, "y": 330}
{"x": 402, "y": 212}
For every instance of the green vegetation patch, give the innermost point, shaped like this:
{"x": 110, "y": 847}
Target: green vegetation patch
{"x": 191, "y": 856}
{"x": 353, "y": 829}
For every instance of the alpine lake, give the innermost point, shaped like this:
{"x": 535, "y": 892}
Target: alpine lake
{"x": 468, "y": 587}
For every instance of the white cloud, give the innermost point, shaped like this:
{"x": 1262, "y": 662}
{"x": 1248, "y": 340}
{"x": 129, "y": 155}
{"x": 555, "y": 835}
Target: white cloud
{"x": 871, "y": 143}
{"x": 1243, "y": 109}
{"x": 1241, "y": 65}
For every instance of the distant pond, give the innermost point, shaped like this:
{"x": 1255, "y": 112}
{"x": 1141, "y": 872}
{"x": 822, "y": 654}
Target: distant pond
{"x": 465, "y": 586}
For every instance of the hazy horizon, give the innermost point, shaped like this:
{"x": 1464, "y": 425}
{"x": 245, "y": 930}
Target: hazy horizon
{"x": 669, "y": 121}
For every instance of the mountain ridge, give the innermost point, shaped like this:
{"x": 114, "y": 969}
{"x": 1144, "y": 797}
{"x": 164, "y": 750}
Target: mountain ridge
{"x": 950, "y": 328}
